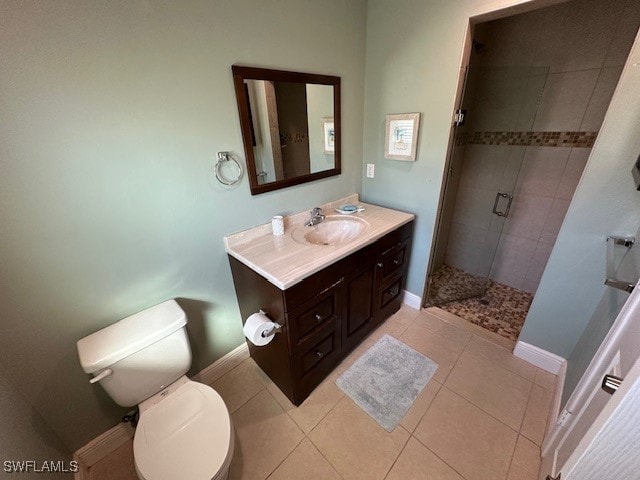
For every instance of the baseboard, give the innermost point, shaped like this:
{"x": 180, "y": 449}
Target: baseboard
{"x": 548, "y": 361}
{"x": 213, "y": 372}
{"x": 104, "y": 444}
{"x": 100, "y": 447}
{"x": 412, "y": 300}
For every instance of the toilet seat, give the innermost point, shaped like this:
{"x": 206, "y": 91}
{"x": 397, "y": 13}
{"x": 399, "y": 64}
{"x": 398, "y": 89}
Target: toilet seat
{"x": 187, "y": 434}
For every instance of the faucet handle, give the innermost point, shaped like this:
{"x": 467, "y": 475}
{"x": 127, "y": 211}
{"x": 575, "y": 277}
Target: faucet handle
{"x": 316, "y": 211}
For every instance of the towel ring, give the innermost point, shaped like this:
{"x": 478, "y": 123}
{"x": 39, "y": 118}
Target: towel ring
{"x": 224, "y": 157}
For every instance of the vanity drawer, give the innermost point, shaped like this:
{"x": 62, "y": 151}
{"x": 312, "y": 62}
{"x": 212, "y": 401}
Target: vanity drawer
{"x": 315, "y": 361}
{"x": 391, "y": 261}
{"x": 388, "y": 297}
{"x": 316, "y": 314}
{"x": 390, "y": 292}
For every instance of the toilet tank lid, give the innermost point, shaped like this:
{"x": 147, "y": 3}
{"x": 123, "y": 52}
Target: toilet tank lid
{"x": 130, "y": 335}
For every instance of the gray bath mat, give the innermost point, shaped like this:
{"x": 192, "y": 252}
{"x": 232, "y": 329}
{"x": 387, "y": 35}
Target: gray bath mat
{"x": 387, "y": 379}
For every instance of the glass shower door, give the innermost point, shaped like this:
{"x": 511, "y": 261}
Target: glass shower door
{"x": 485, "y": 161}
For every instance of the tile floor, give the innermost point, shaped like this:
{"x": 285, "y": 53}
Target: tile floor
{"x": 482, "y": 417}
{"x": 450, "y": 284}
{"x": 492, "y": 305}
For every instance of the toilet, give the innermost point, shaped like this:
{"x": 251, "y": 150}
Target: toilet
{"x": 184, "y": 429}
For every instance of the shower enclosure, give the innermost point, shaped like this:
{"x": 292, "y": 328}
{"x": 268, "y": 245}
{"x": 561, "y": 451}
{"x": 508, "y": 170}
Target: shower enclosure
{"x": 498, "y": 107}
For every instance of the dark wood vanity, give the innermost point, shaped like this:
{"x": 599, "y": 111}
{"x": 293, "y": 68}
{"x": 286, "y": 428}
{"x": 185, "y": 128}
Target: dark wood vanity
{"x": 327, "y": 314}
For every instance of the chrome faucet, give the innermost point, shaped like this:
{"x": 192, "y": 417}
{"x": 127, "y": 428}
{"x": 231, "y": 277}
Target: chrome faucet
{"x": 316, "y": 217}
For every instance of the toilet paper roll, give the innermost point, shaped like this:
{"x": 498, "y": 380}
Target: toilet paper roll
{"x": 255, "y": 326}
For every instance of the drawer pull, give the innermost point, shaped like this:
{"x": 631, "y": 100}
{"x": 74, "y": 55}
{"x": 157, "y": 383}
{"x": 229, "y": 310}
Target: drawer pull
{"x": 319, "y": 317}
{"x": 319, "y": 354}
{"x": 397, "y": 262}
{"x": 379, "y": 264}
{"x": 393, "y": 291}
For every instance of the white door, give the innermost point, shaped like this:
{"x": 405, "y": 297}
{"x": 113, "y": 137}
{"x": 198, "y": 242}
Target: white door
{"x": 616, "y": 356}
{"x": 609, "y": 449}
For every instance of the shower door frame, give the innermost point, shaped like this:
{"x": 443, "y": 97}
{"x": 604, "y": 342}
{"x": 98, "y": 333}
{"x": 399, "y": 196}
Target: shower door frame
{"x": 446, "y": 176}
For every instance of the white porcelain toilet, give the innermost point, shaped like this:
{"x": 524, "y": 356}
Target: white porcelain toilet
{"x": 184, "y": 430}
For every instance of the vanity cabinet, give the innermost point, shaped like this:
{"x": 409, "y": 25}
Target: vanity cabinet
{"x": 327, "y": 314}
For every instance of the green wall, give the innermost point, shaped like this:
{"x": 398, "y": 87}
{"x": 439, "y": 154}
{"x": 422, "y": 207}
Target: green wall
{"x": 606, "y": 203}
{"x": 112, "y": 114}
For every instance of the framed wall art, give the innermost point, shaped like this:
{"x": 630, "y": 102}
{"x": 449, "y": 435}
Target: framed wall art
{"x": 328, "y": 135}
{"x": 401, "y": 136}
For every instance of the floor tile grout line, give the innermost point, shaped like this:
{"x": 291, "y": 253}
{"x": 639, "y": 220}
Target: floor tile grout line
{"x": 526, "y": 406}
{"x": 247, "y": 401}
{"x": 483, "y": 410}
{"x": 319, "y": 421}
{"x": 468, "y": 331}
{"x": 508, "y": 369}
{"x": 513, "y": 454}
{"x": 425, "y": 412}
{"x": 452, "y": 367}
{"x": 395, "y": 460}
{"x": 325, "y": 457}
{"x": 525, "y": 414}
{"x": 452, "y": 348}
{"x": 285, "y": 458}
{"x": 317, "y": 447}
{"x": 439, "y": 457}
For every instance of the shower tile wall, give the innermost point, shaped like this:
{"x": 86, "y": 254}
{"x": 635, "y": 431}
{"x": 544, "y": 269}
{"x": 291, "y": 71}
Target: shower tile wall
{"x": 571, "y": 57}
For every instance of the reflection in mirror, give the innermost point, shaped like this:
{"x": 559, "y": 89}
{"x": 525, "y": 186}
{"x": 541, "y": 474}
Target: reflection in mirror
{"x": 289, "y": 123}
{"x": 289, "y": 126}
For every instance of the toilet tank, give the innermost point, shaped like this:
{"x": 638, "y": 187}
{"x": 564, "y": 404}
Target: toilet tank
{"x": 145, "y": 352}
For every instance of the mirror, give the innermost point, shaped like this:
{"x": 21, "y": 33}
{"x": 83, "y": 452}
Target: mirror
{"x": 290, "y": 125}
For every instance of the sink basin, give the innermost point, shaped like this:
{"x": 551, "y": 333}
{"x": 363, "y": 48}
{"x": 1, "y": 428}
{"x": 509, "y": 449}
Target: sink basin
{"x": 333, "y": 230}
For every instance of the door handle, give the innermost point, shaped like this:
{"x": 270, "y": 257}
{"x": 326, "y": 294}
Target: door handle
{"x": 611, "y": 383}
{"x": 500, "y": 195}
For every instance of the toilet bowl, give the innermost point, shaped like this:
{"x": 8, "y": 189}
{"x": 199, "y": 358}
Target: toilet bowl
{"x": 184, "y": 430}
{"x": 185, "y": 434}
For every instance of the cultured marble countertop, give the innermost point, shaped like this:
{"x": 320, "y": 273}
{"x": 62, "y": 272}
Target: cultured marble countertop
{"x": 285, "y": 262}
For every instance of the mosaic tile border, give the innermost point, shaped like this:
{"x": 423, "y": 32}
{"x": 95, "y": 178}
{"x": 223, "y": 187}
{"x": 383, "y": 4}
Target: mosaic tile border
{"x": 529, "y": 139}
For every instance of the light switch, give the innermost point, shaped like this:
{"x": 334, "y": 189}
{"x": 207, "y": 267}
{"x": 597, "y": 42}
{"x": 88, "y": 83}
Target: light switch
{"x": 371, "y": 170}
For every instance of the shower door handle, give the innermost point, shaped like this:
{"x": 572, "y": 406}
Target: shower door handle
{"x": 500, "y": 195}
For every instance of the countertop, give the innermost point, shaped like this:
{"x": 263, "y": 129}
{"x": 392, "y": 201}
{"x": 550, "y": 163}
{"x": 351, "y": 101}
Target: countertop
{"x": 285, "y": 262}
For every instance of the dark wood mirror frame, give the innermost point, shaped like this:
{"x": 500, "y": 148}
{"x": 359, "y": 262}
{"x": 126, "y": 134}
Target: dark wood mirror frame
{"x": 240, "y": 74}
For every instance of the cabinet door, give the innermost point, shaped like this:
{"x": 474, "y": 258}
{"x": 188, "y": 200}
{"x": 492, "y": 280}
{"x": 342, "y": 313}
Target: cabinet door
{"x": 316, "y": 358}
{"x": 389, "y": 280}
{"x": 358, "y": 316}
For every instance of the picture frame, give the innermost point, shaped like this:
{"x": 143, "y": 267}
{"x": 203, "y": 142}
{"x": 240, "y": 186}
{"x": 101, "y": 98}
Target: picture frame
{"x": 401, "y": 136}
{"x": 328, "y": 136}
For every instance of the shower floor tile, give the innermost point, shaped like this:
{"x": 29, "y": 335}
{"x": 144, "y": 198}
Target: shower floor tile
{"x": 501, "y": 309}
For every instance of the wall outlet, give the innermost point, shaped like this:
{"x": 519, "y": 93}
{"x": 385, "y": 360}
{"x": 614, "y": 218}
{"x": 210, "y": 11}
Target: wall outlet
{"x": 371, "y": 170}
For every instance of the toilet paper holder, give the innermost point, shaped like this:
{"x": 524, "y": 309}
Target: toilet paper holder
{"x": 272, "y": 331}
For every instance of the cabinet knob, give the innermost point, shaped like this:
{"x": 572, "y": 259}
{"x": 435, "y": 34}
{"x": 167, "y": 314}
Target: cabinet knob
{"x": 318, "y": 317}
{"x": 396, "y": 262}
{"x": 379, "y": 264}
{"x": 319, "y": 354}
{"x": 393, "y": 291}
